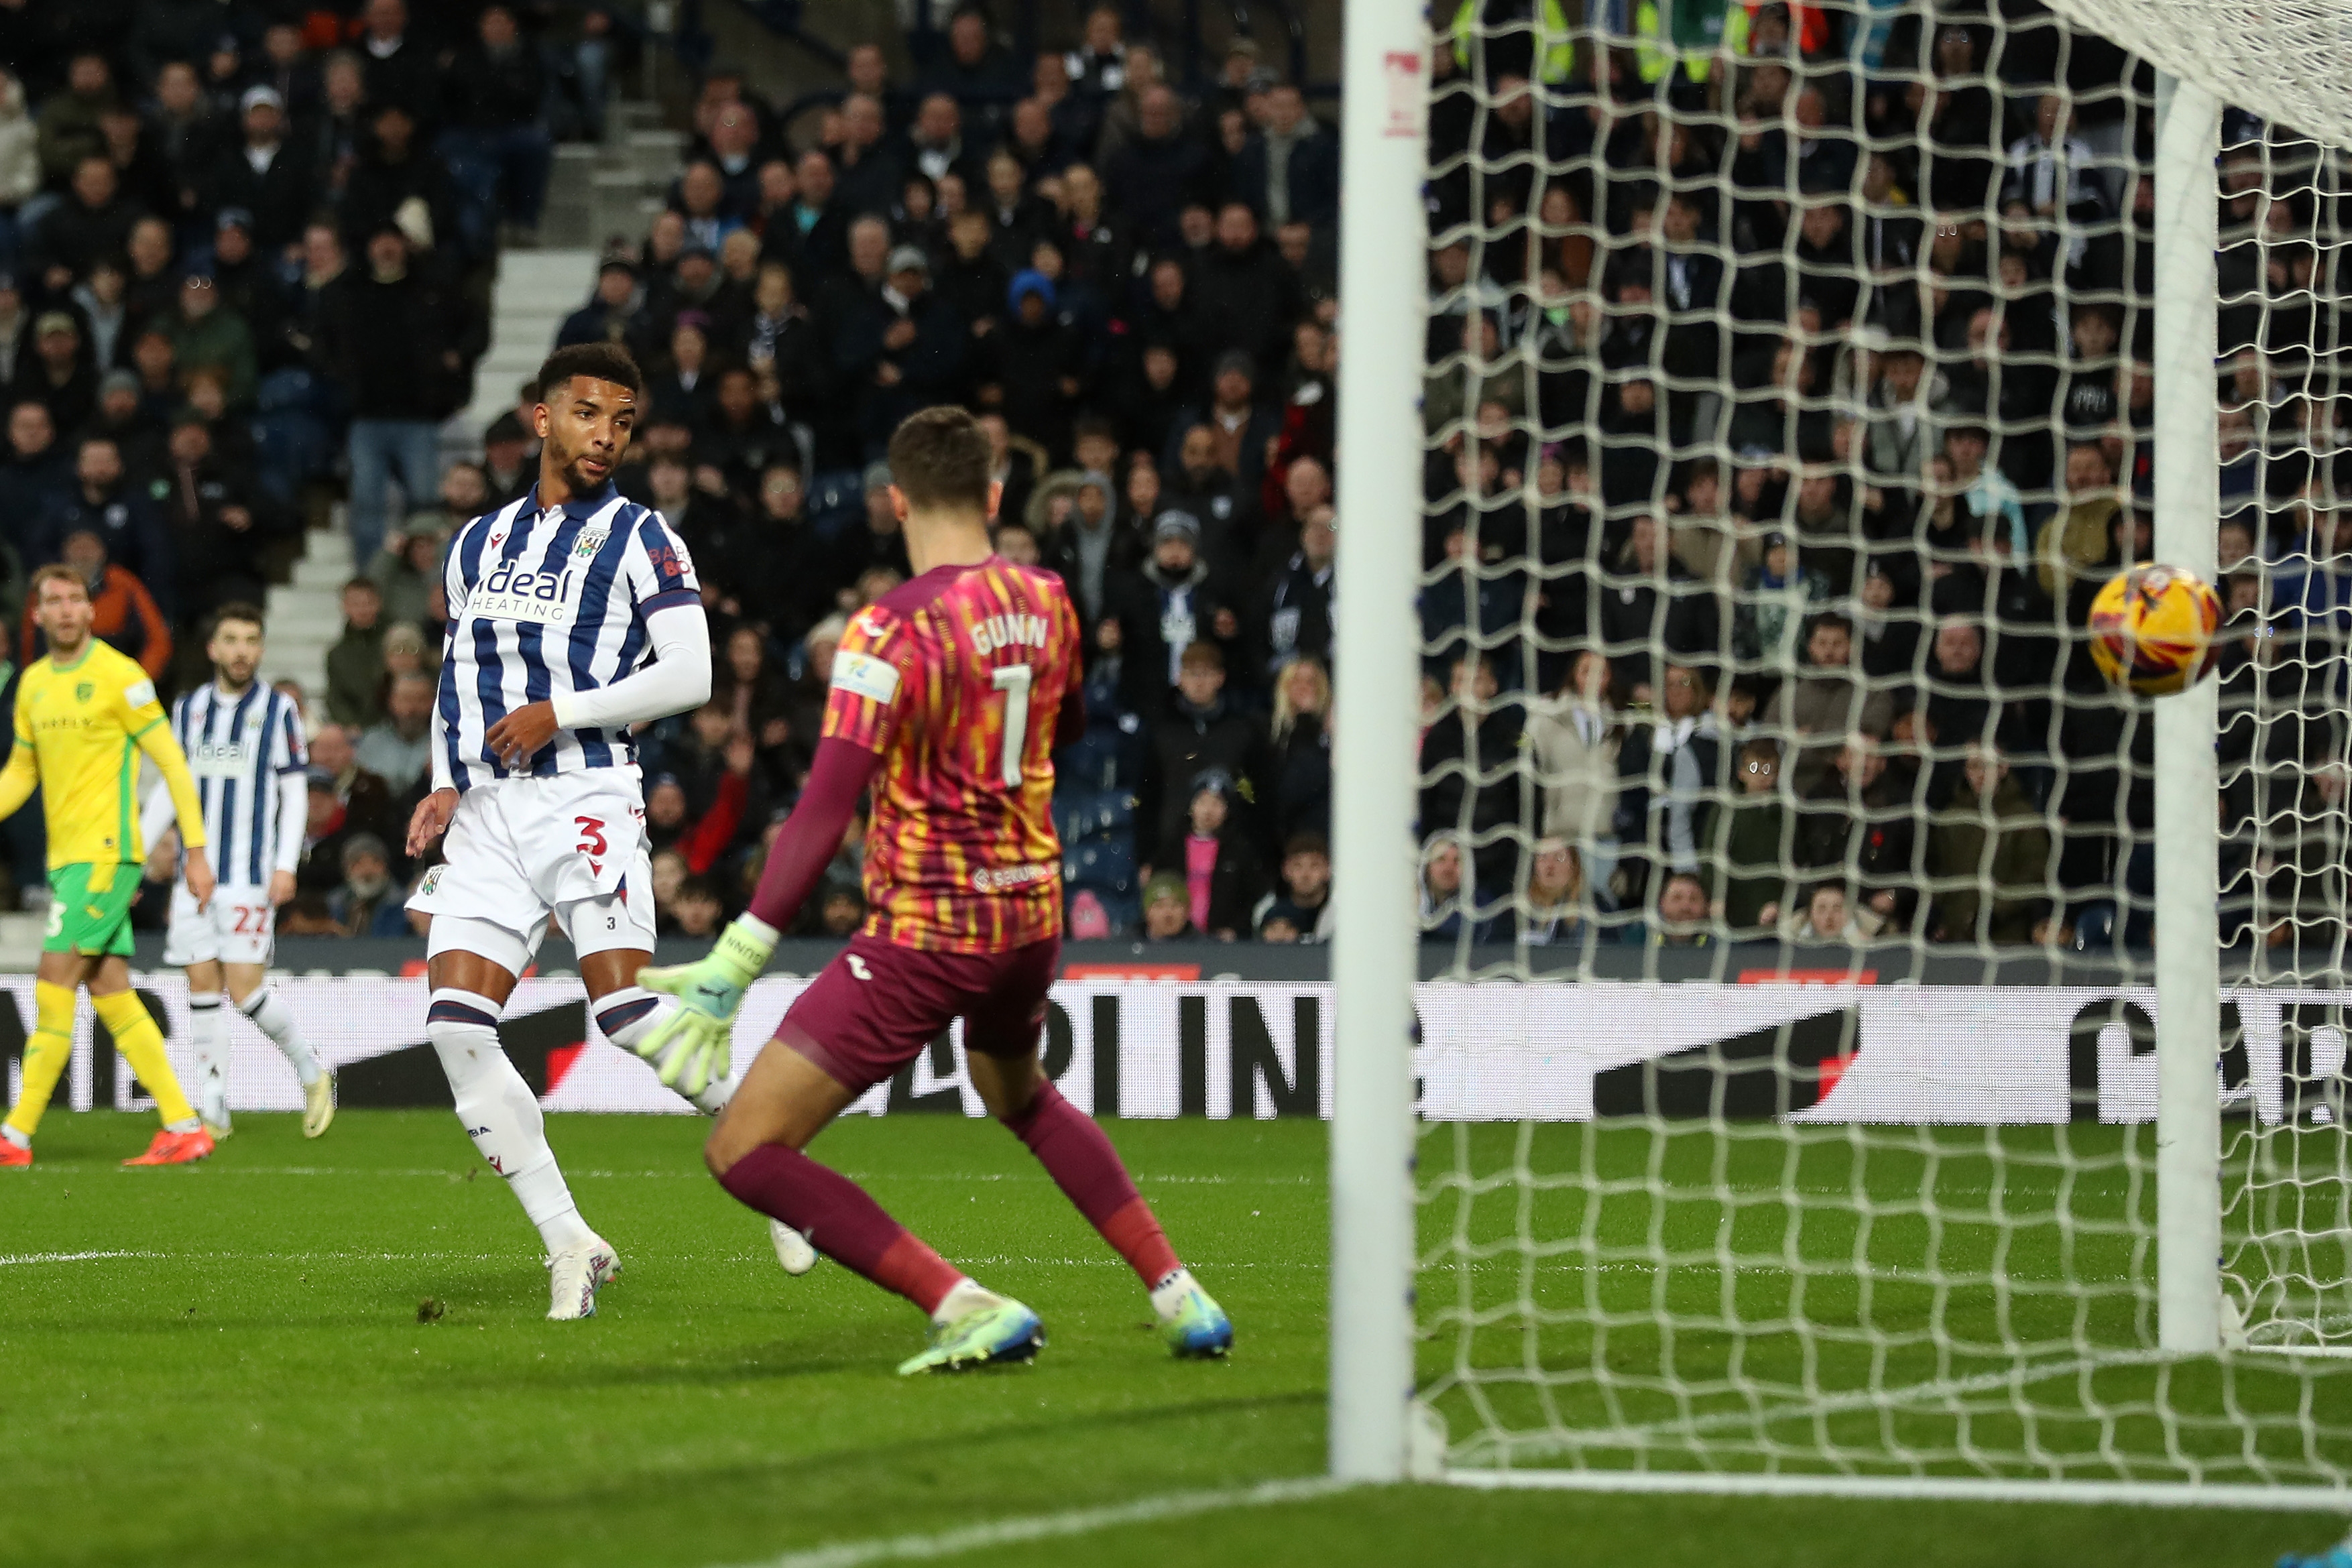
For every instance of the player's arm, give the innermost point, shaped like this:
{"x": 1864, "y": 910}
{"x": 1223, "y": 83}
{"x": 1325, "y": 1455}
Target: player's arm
{"x": 433, "y": 813}
{"x": 22, "y": 775}
{"x": 152, "y": 733}
{"x": 662, "y": 583}
{"x": 292, "y": 762}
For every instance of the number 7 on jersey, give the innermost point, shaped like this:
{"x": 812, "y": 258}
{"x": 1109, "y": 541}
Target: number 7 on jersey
{"x": 1013, "y": 680}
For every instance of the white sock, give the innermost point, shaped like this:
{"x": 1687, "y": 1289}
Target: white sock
{"x": 208, "y": 1037}
{"x": 22, "y": 1140}
{"x": 967, "y": 1297}
{"x": 1168, "y": 1294}
{"x": 501, "y": 1113}
{"x": 276, "y": 1019}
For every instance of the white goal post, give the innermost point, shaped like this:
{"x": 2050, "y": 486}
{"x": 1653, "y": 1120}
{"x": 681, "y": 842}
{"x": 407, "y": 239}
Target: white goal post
{"x": 1662, "y": 1293}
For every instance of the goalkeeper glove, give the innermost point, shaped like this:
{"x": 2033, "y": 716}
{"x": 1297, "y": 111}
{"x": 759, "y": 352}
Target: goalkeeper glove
{"x": 689, "y": 1048}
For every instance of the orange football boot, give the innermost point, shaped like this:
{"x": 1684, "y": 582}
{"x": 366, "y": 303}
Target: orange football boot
{"x": 170, "y": 1148}
{"x": 13, "y": 1158}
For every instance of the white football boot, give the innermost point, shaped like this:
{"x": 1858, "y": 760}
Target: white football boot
{"x": 792, "y": 1250}
{"x": 573, "y": 1275}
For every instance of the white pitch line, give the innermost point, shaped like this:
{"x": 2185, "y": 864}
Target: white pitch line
{"x": 1050, "y": 1526}
{"x": 8, "y": 1257}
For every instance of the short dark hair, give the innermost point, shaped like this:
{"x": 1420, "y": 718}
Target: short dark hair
{"x": 940, "y": 458}
{"x": 598, "y": 362}
{"x": 236, "y": 610}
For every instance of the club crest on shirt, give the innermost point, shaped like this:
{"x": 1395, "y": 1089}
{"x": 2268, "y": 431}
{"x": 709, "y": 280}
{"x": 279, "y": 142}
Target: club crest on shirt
{"x": 590, "y": 542}
{"x": 83, "y": 690}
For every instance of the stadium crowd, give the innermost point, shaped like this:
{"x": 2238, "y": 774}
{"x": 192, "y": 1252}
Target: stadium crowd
{"x": 1788, "y": 399}
{"x": 246, "y": 251}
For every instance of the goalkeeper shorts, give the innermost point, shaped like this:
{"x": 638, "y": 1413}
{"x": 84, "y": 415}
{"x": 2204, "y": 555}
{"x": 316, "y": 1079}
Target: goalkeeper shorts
{"x": 878, "y": 1006}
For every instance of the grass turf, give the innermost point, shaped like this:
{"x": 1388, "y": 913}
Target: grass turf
{"x": 244, "y": 1379}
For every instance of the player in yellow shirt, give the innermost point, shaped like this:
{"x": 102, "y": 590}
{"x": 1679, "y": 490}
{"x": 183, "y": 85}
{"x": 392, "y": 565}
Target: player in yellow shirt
{"x": 81, "y": 713}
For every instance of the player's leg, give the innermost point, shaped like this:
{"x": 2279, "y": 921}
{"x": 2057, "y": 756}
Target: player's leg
{"x": 612, "y": 936}
{"x": 248, "y": 987}
{"x": 1000, "y": 1058}
{"x": 844, "y": 1035}
{"x": 49, "y": 1050}
{"x": 208, "y": 1038}
{"x": 192, "y": 941}
{"x": 471, "y": 970}
{"x": 141, "y": 1043}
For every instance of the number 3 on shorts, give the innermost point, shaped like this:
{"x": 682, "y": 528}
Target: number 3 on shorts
{"x": 57, "y": 919}
{"x": 591, "y": 834}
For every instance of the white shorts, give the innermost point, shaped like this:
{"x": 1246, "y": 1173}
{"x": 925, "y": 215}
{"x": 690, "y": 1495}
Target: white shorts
{"x": 519, "y": 850}
{"x": 238, "y": 928}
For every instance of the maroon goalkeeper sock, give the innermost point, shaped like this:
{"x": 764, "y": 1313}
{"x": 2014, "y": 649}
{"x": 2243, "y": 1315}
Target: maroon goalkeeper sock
{"x": 1078, "y": 1157}
{"x": 842, "y": 1221}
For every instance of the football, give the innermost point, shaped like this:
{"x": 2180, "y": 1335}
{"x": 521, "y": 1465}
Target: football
{"x": 2152, "y": 630}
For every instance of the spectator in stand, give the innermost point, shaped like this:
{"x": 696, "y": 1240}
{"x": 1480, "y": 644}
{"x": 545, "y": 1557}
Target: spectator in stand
{"x": 58, "y": 374}
{"x": 1300, "y": 909}
{"x": 1163, "y": 609}
{"x": 266, "y": 175}
{"x": 398, "y": 66}
{"x": 1445, "y": 905}
{"x": 220, "y": 523}
{"x": 364, "y": 904}
{"x": 1574, "y": 741}
{"x": 1754, "y": 854}
{"x": 20, "y": 164}
{"x": 1550, "y": 911}
{"x": 1223, "y": 881}
{"x": 207, "y": 335}
{"x": 390, "y": 347}
{"x": 1200, "y": 734}
{"x": 126, "y": 617}
{"x": 1989, "y": 853}
{"x": 399, "y": 748}
{"x": 497, "y": 149}
{"x": 356, "y": 801}
{"x": 1302, "y": 612}
{"x": 355, "y": 663}
{"x": 1815, "y": 712}
{"x": 606, "y": 316}
{"x": 1160, "y": 170}
{"x": 1299, "y": 767}
{"x": 93, "y": 221}
{"x": 1168, "y": 909}
{"x": 37, "y": 477}
{"x": 119, "y": 514}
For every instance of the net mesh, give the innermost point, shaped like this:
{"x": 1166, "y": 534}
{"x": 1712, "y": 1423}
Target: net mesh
{"x": 1788, "y": 400}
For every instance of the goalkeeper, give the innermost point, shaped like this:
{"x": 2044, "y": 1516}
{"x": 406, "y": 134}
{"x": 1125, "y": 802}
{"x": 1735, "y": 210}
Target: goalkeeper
{"x": 80, "y": 711}
{"x": 933, "y": 691}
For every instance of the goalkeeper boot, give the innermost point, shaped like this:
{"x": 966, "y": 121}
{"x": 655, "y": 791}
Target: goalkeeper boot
{"x": 318, "y": 1104}
{"x": 574, "y": 1276}
{"x": 170, "y": 1148}
{"x": 1001, "y": 1331}
{"x": 793, "y": 1249}
{"x": 1195, "y": 1328}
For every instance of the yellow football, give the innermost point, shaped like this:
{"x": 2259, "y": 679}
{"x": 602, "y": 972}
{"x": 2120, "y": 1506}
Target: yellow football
{"x": 2152, "y": 630}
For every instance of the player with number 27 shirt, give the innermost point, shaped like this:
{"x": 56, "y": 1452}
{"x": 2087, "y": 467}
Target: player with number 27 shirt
{"x": 948, "y": 694}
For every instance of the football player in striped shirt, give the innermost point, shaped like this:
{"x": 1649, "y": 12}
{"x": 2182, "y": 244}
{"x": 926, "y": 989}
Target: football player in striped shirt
{"x": 573, "y": 615}
{"x": 243, "y": 745}
{"x": 947, "y": 694}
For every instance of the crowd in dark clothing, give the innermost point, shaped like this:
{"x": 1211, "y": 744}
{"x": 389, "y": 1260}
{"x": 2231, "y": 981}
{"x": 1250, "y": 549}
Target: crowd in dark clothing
{"x": 246, "y": 248}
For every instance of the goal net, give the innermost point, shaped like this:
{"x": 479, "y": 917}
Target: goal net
{"x": 1792, "y": 938}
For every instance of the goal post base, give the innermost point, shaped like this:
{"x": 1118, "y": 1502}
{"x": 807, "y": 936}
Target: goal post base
{"x": 1918, "y": 1488}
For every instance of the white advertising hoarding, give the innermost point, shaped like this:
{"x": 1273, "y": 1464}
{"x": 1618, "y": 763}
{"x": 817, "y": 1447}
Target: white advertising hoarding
{"x": 1489, "y": 1051}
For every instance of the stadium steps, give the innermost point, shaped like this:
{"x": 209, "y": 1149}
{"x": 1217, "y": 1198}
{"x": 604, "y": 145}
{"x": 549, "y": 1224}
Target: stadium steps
{"x": 306, "y": 612}
{"x": 535, "y": 291}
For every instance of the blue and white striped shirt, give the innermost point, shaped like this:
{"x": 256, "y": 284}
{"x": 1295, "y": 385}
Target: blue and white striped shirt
{"x": 546, "y": 602}
{"x": 246, "y": 753}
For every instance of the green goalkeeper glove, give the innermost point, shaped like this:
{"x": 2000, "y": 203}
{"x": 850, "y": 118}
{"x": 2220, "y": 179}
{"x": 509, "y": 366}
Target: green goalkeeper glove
{"x": 689, "y": 1048}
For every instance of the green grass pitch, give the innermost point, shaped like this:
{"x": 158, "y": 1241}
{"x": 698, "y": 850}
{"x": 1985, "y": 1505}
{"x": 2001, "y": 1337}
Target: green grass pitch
{"x": 225, "y": 1365}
